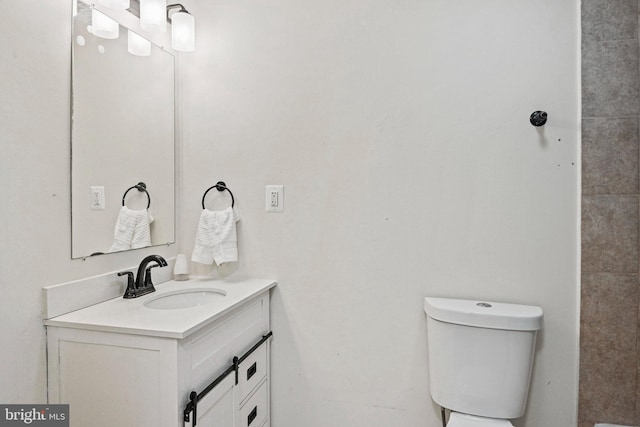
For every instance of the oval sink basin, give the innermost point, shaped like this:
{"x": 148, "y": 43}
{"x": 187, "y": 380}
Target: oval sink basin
{"x": 184, "y": 298}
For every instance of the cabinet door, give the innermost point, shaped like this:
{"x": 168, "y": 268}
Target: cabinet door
{"x": 216, "y": 409}
{"x": 113, "y": 379}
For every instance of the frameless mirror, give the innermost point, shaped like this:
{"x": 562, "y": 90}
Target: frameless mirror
{"x": 122, "y": 134}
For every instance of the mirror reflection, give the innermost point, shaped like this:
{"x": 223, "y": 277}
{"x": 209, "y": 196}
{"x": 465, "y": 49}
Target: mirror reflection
{"x": 122, "y": 139}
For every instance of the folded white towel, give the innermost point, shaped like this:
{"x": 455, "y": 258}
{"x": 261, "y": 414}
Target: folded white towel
{"x": 132, "y": 231}
{"x": 216, "y": 238}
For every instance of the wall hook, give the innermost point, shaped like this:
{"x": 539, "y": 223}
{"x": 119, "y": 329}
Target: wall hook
{"x": 538, "y": 118}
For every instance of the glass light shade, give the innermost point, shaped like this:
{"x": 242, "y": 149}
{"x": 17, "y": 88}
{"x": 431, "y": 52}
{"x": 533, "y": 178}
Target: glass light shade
{"x": 153, "y": 15}
{"x": 138, "y": 45}
{"x": 183, "y": 33}
{"x": 115, "y": 4}
{"x": 103, "y": 26}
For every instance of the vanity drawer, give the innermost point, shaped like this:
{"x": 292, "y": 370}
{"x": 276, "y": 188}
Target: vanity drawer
{"x": 254, "y": 412}
{"x": 239, "y": 329}
{"x": 251, "y": 371}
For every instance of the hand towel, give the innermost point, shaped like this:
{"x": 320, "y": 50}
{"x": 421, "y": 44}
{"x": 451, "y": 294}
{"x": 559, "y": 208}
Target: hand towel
{"x": 132, "y": 231}
{"x": 216, "y": 238}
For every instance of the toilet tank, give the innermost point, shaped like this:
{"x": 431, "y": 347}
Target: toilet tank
{"x": 481, "y": 355}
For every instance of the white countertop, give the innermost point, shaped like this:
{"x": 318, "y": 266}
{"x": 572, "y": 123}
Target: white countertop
{"x": 130, "y": 316}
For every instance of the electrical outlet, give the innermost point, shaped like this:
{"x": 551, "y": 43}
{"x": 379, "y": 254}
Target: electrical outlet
{"x": 274, "y": 198}
{"x": 97, "y": 198}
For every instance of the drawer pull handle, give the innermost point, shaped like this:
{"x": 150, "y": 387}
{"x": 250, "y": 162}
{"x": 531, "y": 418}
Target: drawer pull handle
{"x": 251, "y": 371}
{"x": 252, "y": 415}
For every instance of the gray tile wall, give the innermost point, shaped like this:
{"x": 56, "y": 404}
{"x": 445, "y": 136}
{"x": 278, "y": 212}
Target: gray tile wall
{"x": 609, "y": 361}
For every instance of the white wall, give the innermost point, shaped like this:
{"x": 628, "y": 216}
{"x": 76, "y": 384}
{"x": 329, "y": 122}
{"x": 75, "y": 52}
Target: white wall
{"x": 35, "y": 243}
{"x": 400, "y": 131}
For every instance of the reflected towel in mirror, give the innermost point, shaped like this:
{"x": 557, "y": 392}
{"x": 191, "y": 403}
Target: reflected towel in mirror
{"x": 133, "y": 230}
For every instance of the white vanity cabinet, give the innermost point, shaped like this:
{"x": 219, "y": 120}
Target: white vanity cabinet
{"x": 142, "y": 375}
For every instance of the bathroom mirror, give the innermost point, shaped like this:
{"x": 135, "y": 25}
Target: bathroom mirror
{"x": 122, "y": 133}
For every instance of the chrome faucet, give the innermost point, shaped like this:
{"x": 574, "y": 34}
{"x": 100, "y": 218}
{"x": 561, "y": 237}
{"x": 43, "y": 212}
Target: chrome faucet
{"x": 142, "y": 284}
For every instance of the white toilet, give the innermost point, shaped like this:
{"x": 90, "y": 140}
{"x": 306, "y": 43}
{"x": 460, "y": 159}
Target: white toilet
{"x": 480, "y": 359}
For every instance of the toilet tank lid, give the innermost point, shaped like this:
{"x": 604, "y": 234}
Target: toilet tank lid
{"x": 484, "y": 314}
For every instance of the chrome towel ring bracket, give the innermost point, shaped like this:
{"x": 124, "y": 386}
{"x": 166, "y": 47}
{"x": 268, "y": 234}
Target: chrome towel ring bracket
{"x": 141, "y": 186}
{"x": 220, "y": 186}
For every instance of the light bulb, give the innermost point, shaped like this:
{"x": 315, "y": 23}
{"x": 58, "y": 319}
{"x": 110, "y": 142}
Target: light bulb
{"x": 138, "y": 45}
{"x": 153, "y": 15}
{"x": 183, "y": 32}
{"x": 103, "y": 26}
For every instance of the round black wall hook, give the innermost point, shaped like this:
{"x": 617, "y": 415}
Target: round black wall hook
{"x": 538, "y": 118}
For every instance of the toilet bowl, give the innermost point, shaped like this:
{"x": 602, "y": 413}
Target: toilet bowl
{"x": 480, "y": 359}
{"x": 457, "y": 419}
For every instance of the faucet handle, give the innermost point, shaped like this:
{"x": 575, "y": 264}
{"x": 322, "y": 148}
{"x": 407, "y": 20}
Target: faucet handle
{"x": 147, "y": 275}
{"x": 129, "y": 276}
{"x": 130, "y": 283}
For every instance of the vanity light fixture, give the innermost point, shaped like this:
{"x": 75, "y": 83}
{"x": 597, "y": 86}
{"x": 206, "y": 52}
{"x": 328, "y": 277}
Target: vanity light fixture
{"x": 138, "y": 45}
{"x": 153, "y": 15}
{"x": 103, "y": 26}
{"x": 183, "y": 33}
{"x": 115, "y": 4}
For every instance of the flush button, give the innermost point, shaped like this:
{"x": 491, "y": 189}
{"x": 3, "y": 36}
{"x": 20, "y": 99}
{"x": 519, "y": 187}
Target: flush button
{"x": 483, "y": 304}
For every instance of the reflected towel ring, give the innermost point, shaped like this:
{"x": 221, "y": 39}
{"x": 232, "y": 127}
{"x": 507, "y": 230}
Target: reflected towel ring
{"x": 220, "y": 186}
{"x": 141, "y": 186}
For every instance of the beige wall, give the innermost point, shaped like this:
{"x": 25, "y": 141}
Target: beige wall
{"x": 400, "y": 132}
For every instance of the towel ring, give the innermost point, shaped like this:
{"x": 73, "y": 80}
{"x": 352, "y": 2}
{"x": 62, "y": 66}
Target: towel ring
{"x": 141, "y": 186}
{"x": 220, "y": 186}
